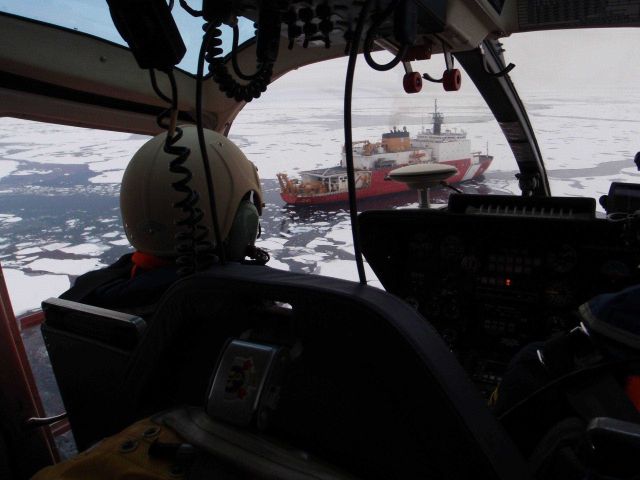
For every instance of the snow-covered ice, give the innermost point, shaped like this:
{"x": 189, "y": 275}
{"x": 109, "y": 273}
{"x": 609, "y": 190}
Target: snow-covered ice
{"x": 27, "y": 291}
{"x": 6, "y": 218}
{"x": 89, "y": 249}
{"x": 7, "y": 167}
{"x": 69, "y": 267}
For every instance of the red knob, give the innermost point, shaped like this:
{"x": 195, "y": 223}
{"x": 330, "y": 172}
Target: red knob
{"x": 412, "y": 82}
{"x": 451, "y": 80}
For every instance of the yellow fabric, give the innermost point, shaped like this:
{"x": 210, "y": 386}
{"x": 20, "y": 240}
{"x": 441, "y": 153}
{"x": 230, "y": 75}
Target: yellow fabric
{"x": 108, "y": 460}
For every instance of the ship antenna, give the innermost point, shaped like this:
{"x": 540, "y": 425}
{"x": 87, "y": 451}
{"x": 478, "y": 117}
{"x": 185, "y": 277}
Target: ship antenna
{"x": 437, "y": 119}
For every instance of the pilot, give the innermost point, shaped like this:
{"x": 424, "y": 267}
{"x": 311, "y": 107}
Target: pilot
{"x": 553, "y": 389}
{"x": 137, "y": 280}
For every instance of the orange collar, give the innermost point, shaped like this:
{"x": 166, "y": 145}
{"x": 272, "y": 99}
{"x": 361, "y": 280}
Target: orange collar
{"x": 145, "y": 261}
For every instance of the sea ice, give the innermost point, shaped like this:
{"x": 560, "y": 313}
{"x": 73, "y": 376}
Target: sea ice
{"x": 7, "y": 167}
{"x": 6, "y": 218}
{"x": 27, "y": 291}
{"x": 121, "y": 242}
{"x": 69, "y": 267}
{"x": 55, "y": 246}
{"x": 90, "y": 249}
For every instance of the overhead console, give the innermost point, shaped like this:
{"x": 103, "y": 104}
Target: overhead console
{"x": 462, "y": 25}
{"x": 492, "y": 277}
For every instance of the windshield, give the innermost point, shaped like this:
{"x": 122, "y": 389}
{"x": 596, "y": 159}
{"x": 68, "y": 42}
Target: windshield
{"x": 93, "y": 17}
{"x": 580, "y": 88}
{"x": 583, "y": 114}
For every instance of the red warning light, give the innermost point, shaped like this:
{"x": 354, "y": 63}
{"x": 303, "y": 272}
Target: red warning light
{"x": 507, "y": 282}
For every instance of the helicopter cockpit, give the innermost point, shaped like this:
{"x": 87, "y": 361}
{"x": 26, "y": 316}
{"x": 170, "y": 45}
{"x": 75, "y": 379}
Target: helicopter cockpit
{"x": 343, "y": 380}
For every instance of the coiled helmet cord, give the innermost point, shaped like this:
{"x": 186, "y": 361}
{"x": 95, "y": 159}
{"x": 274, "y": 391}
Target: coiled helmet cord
{"x": 191, "y": 238}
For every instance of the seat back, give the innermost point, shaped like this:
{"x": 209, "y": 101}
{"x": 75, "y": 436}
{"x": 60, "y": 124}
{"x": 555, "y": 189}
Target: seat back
{"x": 372, "y": 387}
{"x": 89, "y": 349}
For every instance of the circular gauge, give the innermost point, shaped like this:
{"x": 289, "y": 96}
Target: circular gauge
{"x": 421, "y": 246}
{"x": 558, "y": 294}
{"x": 470, "y": 263}
{"x": 452, "y": 248}
{"x": 564, "y": 259}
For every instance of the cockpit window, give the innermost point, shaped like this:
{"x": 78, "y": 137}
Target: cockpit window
{"x": 582, "y": 103}
{"x": 93, "y": 17}
{"x": 294, "y": 133}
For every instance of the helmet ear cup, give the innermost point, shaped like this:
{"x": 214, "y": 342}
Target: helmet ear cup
{"x": 244, "y": 231}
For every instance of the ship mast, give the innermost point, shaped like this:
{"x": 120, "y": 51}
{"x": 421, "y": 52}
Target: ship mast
{"x": 437, "y": 119}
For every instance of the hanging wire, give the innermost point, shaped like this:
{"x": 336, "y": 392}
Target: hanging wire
{"x": 369, "y": 39}
{"x": 191, "y": 11}
{"x": 348, "y": 138}
{"x": 156, "y": 88}
{"x": 203, "y": 147}
{"x": 234, "y": 57}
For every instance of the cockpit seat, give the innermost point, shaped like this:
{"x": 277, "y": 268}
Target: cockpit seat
{"x": 370, "y": 388}
{"x": 89, "y": 348}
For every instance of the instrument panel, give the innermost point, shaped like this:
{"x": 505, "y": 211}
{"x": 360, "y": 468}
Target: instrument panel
{"x": 491, "y": 284}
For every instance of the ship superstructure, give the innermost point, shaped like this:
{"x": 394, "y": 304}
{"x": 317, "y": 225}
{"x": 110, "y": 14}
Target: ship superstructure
{"x": 374, "y": 160}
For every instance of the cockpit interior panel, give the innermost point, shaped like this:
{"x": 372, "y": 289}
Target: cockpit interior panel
{"x": 491, "y": 282}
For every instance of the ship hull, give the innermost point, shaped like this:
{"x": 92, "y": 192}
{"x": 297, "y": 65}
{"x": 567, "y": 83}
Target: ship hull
{"x": 381, "y": 185}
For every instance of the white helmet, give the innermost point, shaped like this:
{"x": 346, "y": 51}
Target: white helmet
{"x": 147, "y": 197}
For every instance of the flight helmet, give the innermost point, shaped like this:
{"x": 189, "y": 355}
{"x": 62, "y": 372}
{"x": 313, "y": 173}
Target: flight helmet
{"x": 147, "y": 197}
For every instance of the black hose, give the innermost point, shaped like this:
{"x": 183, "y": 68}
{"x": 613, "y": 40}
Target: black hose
{"x": 368, "y": 42}
{"x": 191, "y": 11}
{"x": 234, "y": 57}
{"x": 386, "y": 66}
{"x": 156, "y": 88}
{"x": 348, "y": 138}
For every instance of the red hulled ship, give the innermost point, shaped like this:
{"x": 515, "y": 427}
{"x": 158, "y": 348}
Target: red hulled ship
{"x": 373, "y": 162}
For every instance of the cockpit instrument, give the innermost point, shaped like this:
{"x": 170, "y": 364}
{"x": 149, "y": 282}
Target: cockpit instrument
{"x": 491, "y": 280}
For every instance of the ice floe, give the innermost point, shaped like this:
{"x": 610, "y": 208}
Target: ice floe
{"x": 7, "y": 218}
{"x": 90, "y": 249}
{"x": 69, "y": 267}
{"x": 27, "y": 291}
{"x": 7, "y": 167}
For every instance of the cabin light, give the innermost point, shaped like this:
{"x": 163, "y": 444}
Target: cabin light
{"x": 507, "y": 282}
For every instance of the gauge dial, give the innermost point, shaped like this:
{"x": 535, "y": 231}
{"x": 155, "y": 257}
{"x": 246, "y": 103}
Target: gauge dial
{"x": 452, "y": 248}
{"x": 563, "y": 259}
{"x": 558, "y": 294}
